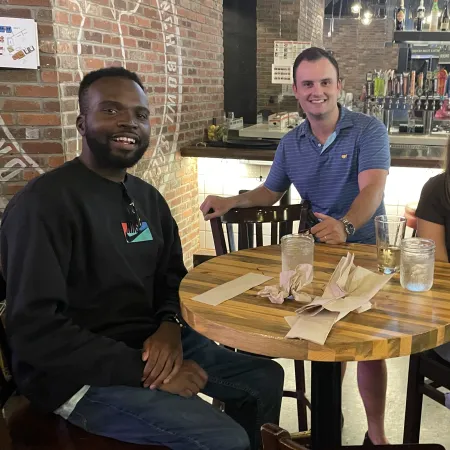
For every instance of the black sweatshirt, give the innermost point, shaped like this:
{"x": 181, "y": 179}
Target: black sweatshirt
{"x": 82, "y": 294}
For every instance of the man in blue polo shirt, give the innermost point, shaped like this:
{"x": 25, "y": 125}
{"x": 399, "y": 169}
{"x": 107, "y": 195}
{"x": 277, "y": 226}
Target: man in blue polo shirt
{"x": 338, "y": 160}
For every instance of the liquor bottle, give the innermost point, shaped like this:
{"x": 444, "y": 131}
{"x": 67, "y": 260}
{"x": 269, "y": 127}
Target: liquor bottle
{"x": 434, "y": 16}
{"x": 445, "y": 18}
{"x": 400, "y": 17}
{"x": 420, "y": 17}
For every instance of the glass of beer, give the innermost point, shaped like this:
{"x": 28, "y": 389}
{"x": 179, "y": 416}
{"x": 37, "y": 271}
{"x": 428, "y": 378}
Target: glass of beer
{"x": 390, "y": 231}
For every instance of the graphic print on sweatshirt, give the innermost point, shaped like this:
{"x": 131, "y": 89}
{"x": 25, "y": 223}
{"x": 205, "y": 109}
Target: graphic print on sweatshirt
{"x": 144, "y": 234}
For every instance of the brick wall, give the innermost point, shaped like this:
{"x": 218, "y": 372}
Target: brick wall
{"x": 30, "y": 132}
{"x": 176, "y": 46}
{"x": 285, "y": 20}
{"x": 360, "y": 49}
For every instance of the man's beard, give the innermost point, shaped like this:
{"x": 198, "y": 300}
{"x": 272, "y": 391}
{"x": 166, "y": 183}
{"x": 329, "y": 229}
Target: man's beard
{"x": 105, "y": 157}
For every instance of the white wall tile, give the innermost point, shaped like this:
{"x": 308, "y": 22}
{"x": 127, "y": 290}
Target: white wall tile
{"x": 209, "y": 242}
{"x": 201, "y": 221}
{"x": 201, "y": 184}
{"x": 202, "y": 239}
{"x": 392, "y": 210}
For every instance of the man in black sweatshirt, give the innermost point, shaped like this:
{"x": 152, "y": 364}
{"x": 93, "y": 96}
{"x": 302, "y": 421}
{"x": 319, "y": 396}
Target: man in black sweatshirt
{"x": 93, "y": 262}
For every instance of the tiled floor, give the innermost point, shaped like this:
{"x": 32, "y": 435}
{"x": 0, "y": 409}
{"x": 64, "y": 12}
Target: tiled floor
{"x": 435, "y": 418}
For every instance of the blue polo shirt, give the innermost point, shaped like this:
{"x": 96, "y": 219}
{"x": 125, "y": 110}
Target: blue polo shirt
{"x": 327, "y": 175}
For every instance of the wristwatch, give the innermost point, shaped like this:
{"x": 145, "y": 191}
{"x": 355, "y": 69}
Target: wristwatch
{"x": 173, "y": 318}
{"x": 349, "y": 227}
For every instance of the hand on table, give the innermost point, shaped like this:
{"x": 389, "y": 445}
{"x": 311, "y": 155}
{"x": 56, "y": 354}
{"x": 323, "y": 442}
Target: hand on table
{"x": 329, "y": 230}
{"x": 164, "y": 355}
{"x": 189, "y": 380}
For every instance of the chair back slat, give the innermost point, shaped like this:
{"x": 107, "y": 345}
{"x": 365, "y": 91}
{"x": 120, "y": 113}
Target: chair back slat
{"x": 259, "y": 234}
{"x": 250, "y": 225}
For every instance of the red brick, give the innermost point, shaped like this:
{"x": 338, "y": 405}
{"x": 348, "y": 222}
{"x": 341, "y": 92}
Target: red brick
{"x": 61, "y": 17}
{"x": 44, "y": 30}
{"x": 51, "y": 107}
{"x": 47, "y": 148}
{"x": 9, "y": 119}
{"x": 102, "y": 25}
{"x": 30, "y": 2}
{"x": 75, "y": 20}
{"x": 36, "y": 91}
{"x": 20, "y": 105}
{"x": 18, "y": 75}
{"x": 51, "y": 133}
{"x": 92, "y": 36}
{"x": 93, "y": 63}
{"x": 47, "y": 61}
{"x": 38, "y": 119}
{"x": 13, "y": 188}
{"x": 49, "y": 76}
{"x": 24, "y": 13}
{"x": 55, "y": 161}
{"x": 29, "y": 174}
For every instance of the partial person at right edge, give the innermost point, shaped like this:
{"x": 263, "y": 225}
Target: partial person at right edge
{"x": 433, "y": 222}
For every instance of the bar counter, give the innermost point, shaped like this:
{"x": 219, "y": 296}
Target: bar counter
{"x": 428, "y": 157}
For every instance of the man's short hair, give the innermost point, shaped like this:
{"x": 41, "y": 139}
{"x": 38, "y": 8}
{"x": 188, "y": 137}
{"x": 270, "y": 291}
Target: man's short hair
{"x": 91, "y": 77}
{"x": 314, "y": 54}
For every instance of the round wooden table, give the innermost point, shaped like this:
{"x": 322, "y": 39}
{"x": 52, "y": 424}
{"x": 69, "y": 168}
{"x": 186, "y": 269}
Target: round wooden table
{"x": 400, "y": 322}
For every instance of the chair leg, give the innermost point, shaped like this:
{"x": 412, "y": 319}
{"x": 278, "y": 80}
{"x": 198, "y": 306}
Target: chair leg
{"x": 414, "y": 397}
{"x": 300, "y": 388}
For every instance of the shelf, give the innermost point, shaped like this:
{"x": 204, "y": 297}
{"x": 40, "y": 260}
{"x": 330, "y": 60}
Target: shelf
{"x": 422, "y": 37}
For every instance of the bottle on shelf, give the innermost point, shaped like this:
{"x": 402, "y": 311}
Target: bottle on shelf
{"x": 420, "y": 16}
{"x": 445, "y": 18}
{"x": 434, "y": 16}
{"x": 400, "y": 17}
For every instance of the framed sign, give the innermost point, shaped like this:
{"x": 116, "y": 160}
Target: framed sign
{"x": 19, "y": 47}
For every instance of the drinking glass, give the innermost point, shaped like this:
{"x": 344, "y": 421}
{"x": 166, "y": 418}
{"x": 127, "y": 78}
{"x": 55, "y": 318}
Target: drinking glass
{"x": 390, "y": 231}
{"x": 417, "y": 264}
{"x": 296, "y": 249}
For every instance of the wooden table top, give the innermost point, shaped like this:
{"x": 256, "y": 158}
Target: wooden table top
{"x": 400, "y": 322}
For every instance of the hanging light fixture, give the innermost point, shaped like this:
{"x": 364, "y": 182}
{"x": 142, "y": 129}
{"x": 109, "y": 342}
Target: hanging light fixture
{"x": 366, "y": 20}
{"x": 356, "y": 7}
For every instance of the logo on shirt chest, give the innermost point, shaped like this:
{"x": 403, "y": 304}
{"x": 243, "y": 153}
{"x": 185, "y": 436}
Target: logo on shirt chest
{"x": 142, "y": 235}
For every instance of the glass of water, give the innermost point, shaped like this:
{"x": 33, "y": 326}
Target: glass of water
{"x": 417, "y": 264}
{"x": 390, "y": 231}
{"x": 296, "y": 249}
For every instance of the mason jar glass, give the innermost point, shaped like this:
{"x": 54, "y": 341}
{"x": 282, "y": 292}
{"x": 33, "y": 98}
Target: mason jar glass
{"x": 296, "y": 249}
{"x": 417, "y": 264}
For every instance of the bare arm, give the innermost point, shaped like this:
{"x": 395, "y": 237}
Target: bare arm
{"x": 261, "y": 196}
{"x": 436, "y": 232}
{"x": 371, "y": 188}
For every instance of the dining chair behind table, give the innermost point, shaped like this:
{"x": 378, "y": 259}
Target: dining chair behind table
{"x": 250, "y": 225}
{"x": 22, "y": 427}
{"x": 427, "y": 373}
{"x": 275, "y": 438}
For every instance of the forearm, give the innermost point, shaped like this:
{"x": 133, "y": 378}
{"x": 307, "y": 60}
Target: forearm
{"x": 365, "y": 205}
{"x": 261, "y": 196}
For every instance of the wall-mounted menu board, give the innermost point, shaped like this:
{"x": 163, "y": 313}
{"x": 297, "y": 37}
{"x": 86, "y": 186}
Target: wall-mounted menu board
{"x": 19, "y": 47}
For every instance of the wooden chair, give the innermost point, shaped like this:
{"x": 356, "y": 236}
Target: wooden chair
{"x": 275, "y": 438}
{"x": 25, "y": 428}
{"x": 250, "y": 225}
{"x": 427, "y": 373}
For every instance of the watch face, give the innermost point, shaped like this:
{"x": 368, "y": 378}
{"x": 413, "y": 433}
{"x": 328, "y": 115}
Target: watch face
{"x": 350, "y": 229}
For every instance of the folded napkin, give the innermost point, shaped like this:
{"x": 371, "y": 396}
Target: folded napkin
{"x": 350, "y": 288}
{"x": 291, "y": 281}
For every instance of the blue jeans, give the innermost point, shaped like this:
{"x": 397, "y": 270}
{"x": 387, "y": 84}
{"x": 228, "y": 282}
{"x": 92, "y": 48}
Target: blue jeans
{"x": 250, "y": 387}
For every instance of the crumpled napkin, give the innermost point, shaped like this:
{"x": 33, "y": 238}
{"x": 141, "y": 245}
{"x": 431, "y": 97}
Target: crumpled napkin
{"x": 350, "y": 288}
{"x": 291, "y": 282}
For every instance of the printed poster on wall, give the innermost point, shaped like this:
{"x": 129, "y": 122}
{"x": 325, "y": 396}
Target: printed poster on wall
{"x": 19, "y": 47}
